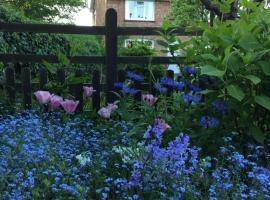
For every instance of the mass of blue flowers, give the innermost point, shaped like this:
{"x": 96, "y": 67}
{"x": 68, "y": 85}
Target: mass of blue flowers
{"x": 48, "y": 156}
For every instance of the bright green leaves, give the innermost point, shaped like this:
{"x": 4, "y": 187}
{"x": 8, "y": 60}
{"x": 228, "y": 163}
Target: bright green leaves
{"x": 263, "y": 101}
{"x": 212, "y": 71}
{"x": 265, "y": 67}
{"x": 249, "y": 41}
{"x": 235, "y": 92}
{"x": 257, "y": 134}
{"x": 254, "y": 79}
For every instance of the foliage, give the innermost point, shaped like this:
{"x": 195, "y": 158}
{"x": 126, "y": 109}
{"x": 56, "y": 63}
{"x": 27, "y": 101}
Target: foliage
{"x": 29, "y": 43}
{"x": 141, "y": 49}
{"x": 44, "y": 9}
{"x": 183, "y": 13}
{"x": 233, "y": 56}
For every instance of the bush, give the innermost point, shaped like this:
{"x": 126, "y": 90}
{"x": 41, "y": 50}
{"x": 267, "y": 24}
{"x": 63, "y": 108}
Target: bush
{"x": 232, "y": 59}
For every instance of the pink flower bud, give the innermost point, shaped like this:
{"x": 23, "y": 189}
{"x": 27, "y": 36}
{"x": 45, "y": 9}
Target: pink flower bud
{"x": 161, "y": 125}
{"x": 104, "y": 112}
{"x": 149, "y": 99}
{"x": 55, "y": 101}
{"x": 43, "y": 97}
{"x": 69, "y": 105}
{"x": 88, "y": 91}
{"x": 112, "y": 107}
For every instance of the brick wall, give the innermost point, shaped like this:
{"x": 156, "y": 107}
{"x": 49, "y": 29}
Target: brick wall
{"x": 161, "y": 9}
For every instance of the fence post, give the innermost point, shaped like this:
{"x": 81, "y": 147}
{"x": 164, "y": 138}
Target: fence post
{"x": 43, "y": 78}
{"x": 138, "y": 95}
{"x": 26, "y": 87}
{"x": 10, "y": 83}
{"x": 121, "y": 78}
{"x": 170, "y": 75}
{"x": 111, "y": 52}
{"x": 96, "y": 86}
{"x": 79, "y": 90}
{"x": 61, "y": 76}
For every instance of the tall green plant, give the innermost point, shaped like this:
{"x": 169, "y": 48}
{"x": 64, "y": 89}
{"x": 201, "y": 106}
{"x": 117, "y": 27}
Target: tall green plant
{"x": 236, "y": 53}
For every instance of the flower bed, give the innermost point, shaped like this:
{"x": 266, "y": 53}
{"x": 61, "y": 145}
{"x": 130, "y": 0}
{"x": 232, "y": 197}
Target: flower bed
{"x": 44, "y": 157}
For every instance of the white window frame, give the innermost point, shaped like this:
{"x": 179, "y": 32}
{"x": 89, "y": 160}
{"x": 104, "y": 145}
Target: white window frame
{"x": 127, "y": 16}
{"x": 139, "y": 40}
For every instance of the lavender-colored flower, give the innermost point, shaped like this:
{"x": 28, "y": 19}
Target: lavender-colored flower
{"x": 158, "y": 87}
{"x": 209, "y": 122}
{"x": 191, "y": 71}
{"x": 129, "y": 90}
{"x": 220, "y": 106}
{"x": 136, "y": 77}
{"x": 119, "y": 85}
{"x": 191, "y": 98}
{"x": 195, "y": 88}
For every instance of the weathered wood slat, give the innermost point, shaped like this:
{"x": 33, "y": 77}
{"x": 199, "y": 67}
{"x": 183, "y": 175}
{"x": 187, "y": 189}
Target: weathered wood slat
{"x": 26, "y": 88}
{"x": 10, "y": 84}
{"x": 87, "y": 59}
{"x": 43, "y": 78}
{"x": 88, "y": 30}
{"x": 52, "y": 28}
{"x": 30, "y": 58}
{"x": 96, "y": 85}
{"x": 111, "y": 53}
{"x": 79, "y": 90}
{"x": 147, "y": 60}
{"x": 153, "y": 31}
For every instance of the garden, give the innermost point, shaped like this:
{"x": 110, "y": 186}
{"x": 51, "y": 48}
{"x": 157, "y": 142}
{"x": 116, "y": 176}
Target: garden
{"x": 200, "y": 134}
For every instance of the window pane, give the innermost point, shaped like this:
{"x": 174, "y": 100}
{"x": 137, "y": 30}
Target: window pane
{"x": 130, "y": 9}
{"x": 140, "y": 9}
{"x": 149, "y": 10}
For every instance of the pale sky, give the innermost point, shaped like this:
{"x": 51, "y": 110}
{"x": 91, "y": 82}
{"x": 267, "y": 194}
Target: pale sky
{"x": 83, "y": 17}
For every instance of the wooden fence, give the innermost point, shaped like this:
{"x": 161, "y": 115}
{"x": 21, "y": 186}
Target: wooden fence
{"x": 111, "y": 32}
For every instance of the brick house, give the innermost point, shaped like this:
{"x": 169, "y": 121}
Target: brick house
{"x": 133, "y": 13}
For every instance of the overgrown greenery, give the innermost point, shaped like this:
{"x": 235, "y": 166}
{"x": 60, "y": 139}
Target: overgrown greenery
{"x": 141, "y": 49}
{"x": 183, "y": 13}
{"x": 234, "y": 54}
{"x": 45, "y": 9}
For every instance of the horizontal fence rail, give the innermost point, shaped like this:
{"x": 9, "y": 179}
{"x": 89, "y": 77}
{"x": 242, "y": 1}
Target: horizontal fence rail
{"x": 89, "y": 30}
{"x": 31, "y": 58}
{"x": 111, "y": 59}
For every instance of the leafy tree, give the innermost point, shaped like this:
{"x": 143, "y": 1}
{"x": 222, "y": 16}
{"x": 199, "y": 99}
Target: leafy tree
{"x": 45, "y": 9}
{"x": 184, "y": 12}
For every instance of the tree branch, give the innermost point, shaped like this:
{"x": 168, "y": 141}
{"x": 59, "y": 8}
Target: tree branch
{"x": 216, "y": 10}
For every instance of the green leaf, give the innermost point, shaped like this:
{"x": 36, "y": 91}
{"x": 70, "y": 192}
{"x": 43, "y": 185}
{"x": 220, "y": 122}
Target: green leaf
{"x": 208, "y": 56}
{"x": 51, "y": 68}
{"x": 236, "y": 92}
{"x": 257, "y": 134}
{"x": 212, "y": 71}
{"x": 265, "y": 67}
{"x": 263, "y": 101}
{"x": 207, "y": 91}
{"x": 254, "y": 79}
{"x": 62, "y": 58}
{"x": 249, "y": 41}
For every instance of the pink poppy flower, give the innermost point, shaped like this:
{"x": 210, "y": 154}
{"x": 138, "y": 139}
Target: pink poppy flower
{"x": 43, "y": 97}
{"x": 161, "y": 125}
{"x": 104, "y": 112}
{"x": 88, "y": 91}
{"x": 55, "y": 101}
{"x": 149, "y": 99}
{"x": 69, "y": 105}
{"x": 112, "y": 107}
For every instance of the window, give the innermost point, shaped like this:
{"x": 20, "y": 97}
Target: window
{"x": 140, "y": 10}
{"x": 130, "y": 42}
